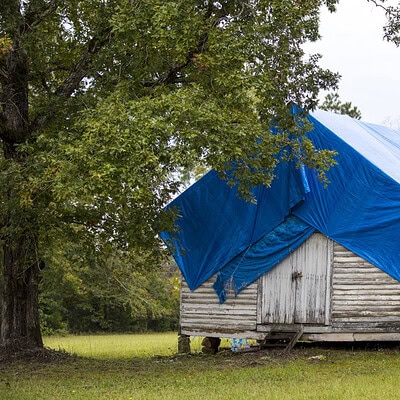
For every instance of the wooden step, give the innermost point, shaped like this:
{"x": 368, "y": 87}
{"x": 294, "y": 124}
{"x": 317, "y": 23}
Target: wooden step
{"x": 286, "y": 339}
{"x": 294, "y": 339}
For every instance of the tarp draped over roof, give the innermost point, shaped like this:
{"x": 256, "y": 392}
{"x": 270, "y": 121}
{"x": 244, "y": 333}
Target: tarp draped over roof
{"x": 360, "y": 209}
{"x": 215, "y": 224}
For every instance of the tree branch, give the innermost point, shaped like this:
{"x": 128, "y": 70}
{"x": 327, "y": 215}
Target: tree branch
{"x": 171, "y": 75}
{"x": 378, "y": 5}
{"x": 79, "y": 70}
{"x": 392, "y": 29}
{"x": 3, "y": 74}
{"x": 34, "y": 17}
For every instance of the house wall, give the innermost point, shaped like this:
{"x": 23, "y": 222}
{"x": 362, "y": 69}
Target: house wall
{"x": 363, "y": 297}
{"x": 201, "y": 314}
{"x": 361, "y": 302}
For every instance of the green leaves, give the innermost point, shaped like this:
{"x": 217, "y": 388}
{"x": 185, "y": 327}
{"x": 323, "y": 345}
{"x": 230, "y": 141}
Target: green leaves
{"x": 127, "y": 96}
{"x": 333, "y": 103}
{"x": 392, "y": 28}
{"x": 178, "y": 84}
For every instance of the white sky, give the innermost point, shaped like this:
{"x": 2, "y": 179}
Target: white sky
{"x": 352, "y": 44}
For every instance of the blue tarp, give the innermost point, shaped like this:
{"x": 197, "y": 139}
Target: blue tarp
{"x": 215, "y": 224}
{"x": 360, "y": 209}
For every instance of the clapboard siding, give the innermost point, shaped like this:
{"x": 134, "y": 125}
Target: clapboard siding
{"x": 201, "y": 311}
{"x": 334, "y": 293}
{"x": 363, "y": 296}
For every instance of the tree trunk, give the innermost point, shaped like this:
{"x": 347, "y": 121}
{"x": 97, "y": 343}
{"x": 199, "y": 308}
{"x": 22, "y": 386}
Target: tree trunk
{"x": 20, "y": 329}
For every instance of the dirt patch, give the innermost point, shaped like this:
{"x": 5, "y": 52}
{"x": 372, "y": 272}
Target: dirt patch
{"x": 40, "y": 355}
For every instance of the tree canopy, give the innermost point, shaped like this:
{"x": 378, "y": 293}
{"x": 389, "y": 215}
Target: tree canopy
{"x": 105, "y": 103}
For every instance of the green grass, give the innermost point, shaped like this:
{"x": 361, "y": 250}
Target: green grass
{"x": 121, "y": 347}
{"x": 132, "y": 373}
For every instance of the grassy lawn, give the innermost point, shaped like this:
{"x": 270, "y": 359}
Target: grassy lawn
{"x": 120, "y": 347}
{"x": 144, "y": 367}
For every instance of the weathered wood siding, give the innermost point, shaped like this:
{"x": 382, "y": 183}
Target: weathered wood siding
{"x": 296, "y": 291}
{"x": 363, "y": 297}
{"x": 201, "y": 311}
{"x": 334, "y": 293}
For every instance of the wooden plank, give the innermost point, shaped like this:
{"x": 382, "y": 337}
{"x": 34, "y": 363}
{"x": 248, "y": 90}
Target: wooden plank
{"x": 238, "y": 308}
{"x": 366, "y": 268}
{"x": 348, "y": 259}
{"x": 218, "y": 327}
{"x": 350, "y": 337}
{"x": 217, "y": 317}
{"x": 376, "y": 283}
{"x": 362, "y": 304}
{"x": 365, "y": 313}
{"x": 376, "y": 336}
{"x": 260, "y": 300}
{"x": 363, "y": 291}
{"x": 368, "y": 316}
{"x": 278, "y": 300}
{"x": 366, "y": 319}
{"x": 211, "y": 292}
{"x": 339, "y": 247}
{"x": 293, "y": 328}
{"x": 328, "y": 337}
{"x": 224, "y": 323}
{"x": 329, "y": 277}
{"x": 360, "y": 274}
{"x": 366, "y": 297}
{"x": 188, "y": 317}
{"x": 371, "y": 326}
{"x": 211, "y": 296}
{"x": 213, "y": 333}
{"x": 212, "y": 302}
{"x": 367, "y": 286}
{"x": 294, "y": 340}
{"x": 221, "y": 327}
{"x": 312, "y": 287}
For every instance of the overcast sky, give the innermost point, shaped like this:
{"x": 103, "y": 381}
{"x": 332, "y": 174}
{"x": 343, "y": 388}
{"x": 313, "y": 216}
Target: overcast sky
{"x": 352, "y": 44}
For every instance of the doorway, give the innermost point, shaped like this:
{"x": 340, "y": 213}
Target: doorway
{"x": 297, "y": 290}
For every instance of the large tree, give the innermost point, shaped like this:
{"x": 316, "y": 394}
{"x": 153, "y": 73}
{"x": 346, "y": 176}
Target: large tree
{"x": 105, "y": 102}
